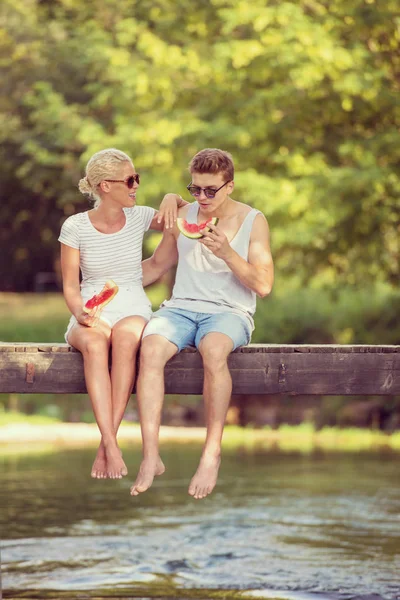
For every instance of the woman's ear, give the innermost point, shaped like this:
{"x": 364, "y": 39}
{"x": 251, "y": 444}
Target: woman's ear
{"x": 104, "y": 186}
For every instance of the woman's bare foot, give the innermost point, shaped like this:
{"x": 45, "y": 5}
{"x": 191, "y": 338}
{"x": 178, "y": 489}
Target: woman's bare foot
{"x": 99, "y": 468}
{"x": 205, "y": 478}
{"x": 116, "y": 468}
{"x": 149, "y": 469}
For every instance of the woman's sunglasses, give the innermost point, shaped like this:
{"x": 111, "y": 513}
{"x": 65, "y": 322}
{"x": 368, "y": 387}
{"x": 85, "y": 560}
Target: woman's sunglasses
{"x": 129, "y": 181}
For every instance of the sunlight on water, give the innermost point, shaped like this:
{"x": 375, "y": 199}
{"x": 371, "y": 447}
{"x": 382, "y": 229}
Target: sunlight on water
{"x": 281, "y": 526}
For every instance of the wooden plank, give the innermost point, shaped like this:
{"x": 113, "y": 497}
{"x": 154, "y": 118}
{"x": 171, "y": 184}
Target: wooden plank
{"x": 251, "y": 348}
{"x": 255, "y": 370}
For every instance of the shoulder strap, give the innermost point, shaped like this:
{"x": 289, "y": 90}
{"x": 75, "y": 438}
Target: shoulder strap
{"x": 248, "y": 223}
{"x": 193, "y": 210}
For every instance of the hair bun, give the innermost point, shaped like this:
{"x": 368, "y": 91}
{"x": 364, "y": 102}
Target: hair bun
{"x": 84, "y": 186}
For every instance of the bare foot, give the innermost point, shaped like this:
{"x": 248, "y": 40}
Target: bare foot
{"x": 116, "y": 468}
{"x": 99, "y": 468}
{"x": 149, "y": 469}
{"x": 205, "y": 478}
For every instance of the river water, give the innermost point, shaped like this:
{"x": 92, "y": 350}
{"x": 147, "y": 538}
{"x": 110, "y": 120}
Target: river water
{"x": 279, "y": 525}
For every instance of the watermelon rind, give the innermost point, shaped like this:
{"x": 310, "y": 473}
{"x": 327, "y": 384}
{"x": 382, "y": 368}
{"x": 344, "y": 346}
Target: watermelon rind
{"x": 194, "y": 235}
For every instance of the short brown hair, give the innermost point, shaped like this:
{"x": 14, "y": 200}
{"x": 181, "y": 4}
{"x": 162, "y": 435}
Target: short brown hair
{"x": 213, "y": 160}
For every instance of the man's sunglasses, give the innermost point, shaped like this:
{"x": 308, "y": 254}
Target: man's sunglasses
{"x": 209, "y": 193}
{"x": 129, "y": 181}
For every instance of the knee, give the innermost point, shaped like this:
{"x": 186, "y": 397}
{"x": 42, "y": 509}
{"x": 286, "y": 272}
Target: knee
{"x": 152, "y": 354}
{"x": 214, "y": 357}
{"x": 94, "y": 346}
{"x": 125, "y": 343}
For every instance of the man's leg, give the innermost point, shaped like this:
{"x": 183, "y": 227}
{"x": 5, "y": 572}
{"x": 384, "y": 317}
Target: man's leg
{"x": 155, "y": 352}
{"x": 218, "y": 334}
{"x": 214, "y": 349}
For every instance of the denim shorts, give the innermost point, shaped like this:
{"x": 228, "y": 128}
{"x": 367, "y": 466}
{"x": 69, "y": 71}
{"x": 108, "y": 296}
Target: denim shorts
{"x": 187, "y": 328}
{"x": 130, "y": 301}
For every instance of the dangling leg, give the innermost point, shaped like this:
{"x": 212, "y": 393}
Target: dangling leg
{"x": 154, "y": 354}
{"x": 214, "y": 349}
{"x": 125, "y": 341}
{"x": 94, "y": 344}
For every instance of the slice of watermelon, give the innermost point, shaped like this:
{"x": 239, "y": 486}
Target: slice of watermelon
{"x": 193, "y": 230}
{"x": 102, "y": 298}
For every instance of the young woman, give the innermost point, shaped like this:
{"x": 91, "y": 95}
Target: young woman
{"x": 106, "y": 243}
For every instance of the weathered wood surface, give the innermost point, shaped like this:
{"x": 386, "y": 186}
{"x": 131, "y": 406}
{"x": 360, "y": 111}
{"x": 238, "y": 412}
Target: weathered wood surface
{"x": 256, "y": 369}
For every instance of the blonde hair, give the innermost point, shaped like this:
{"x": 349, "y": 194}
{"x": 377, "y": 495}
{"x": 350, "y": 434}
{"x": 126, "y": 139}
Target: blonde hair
{"x": 214, "y": 161}
{"x": 102, "y": 165}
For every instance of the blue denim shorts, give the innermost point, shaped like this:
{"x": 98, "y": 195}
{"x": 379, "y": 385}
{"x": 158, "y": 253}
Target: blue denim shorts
{"x": 187, "y": 328}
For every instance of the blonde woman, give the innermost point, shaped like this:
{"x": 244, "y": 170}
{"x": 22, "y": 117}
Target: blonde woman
{"x": 106, "y": 243}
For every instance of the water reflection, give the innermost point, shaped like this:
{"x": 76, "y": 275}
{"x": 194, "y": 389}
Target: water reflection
{"x": 296, "y": 524}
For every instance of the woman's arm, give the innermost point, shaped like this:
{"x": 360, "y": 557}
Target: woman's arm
{"x": 168, "y": 212}
{"x": 70, "y": 258}
{"x": 164, "y": 257}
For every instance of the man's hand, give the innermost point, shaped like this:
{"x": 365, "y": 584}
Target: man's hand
{"x": 216, "y": 241}
{"x": 169, "y": 209}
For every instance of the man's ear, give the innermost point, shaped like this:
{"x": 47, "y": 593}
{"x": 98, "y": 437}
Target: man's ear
{"x": 231, "y": 186}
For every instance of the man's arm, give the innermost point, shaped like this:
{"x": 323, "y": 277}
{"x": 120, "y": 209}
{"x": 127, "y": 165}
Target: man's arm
{"x": 257, "y": 273}
{"x": 164, "y": 257}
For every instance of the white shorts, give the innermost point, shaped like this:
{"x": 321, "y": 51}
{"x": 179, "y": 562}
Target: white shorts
{"x": 130, "y": 301}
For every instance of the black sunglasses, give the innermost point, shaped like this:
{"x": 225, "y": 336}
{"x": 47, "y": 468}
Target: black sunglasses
{"x": 209, "y": 193}
{"x": 129, "y": 181}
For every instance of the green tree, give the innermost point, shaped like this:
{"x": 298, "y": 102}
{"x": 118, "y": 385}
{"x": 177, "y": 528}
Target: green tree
{"x": 303, "y": 93}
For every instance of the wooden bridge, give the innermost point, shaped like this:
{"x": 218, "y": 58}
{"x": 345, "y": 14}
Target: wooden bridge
{"x": 292, "y": 369}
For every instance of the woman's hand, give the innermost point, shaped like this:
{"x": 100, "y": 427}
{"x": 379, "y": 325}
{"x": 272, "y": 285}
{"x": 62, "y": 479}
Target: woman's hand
{"x": 169, "y": 209}
{"x": 89, "y": 319}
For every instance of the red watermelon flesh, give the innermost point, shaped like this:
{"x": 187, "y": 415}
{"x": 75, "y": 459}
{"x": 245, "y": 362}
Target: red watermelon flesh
{"x": 102, "y": 298}
{"x": 193, "y": 230}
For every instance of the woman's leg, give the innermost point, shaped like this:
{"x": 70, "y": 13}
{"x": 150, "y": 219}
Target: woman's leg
{"x": 94, "y": 344}
{"x": 125, "y": 340}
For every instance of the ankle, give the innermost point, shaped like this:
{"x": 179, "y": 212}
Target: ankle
{"x": 212, "y": 452}
{"x": 152, "y": 456}
{"x": 109, "y": 443}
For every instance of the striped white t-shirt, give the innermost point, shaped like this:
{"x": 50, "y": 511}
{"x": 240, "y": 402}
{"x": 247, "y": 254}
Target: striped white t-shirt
{"x": 116, "y": 256}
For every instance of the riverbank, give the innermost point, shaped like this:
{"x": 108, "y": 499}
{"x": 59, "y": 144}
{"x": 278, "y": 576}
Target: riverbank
{"x": 22, "y": 433}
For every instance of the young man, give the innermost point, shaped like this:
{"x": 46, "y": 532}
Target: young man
{"x": 212, "y": 306}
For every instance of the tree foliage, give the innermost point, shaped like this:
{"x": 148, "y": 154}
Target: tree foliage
{"x": 303, "y": 93}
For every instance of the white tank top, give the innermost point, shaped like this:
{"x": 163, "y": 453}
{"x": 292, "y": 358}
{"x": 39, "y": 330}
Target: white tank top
{"x": 204, "y": 283}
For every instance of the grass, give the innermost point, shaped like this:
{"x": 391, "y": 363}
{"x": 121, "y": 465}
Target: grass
{"x": 306, "y": 438}
{"x": 13, "y": 417}
{"x": 292, "y": 314}
{"x": 33, "y": 317}
{"x": 299, "y": 438}
{"x": 44, "y": 317}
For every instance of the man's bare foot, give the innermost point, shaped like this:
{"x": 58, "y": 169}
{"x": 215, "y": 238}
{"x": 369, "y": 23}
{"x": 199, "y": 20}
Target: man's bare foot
{"x": 99, "y": 468}
{"x": 149, "y": 469}
{"x": 116, "y": 468}
{"x": 205, "y": 478}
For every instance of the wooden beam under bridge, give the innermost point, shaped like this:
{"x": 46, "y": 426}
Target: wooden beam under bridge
{"x": 34, "y": 368}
